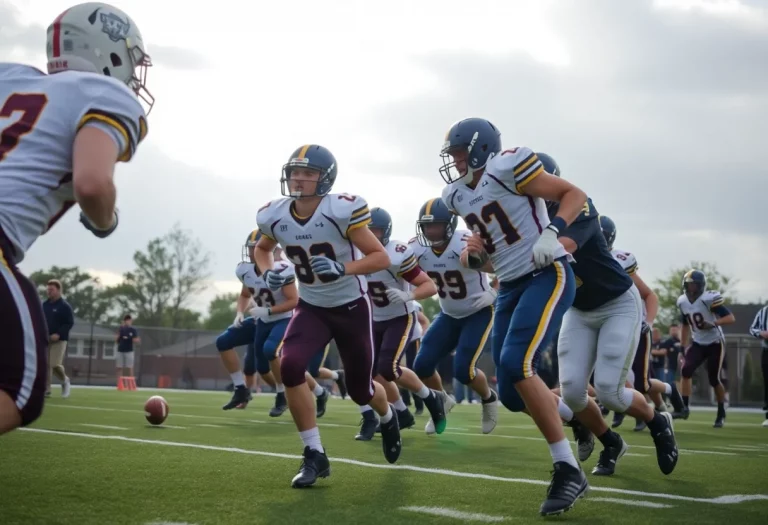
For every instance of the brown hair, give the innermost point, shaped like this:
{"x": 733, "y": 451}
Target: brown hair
{"x": 56, "y": 283}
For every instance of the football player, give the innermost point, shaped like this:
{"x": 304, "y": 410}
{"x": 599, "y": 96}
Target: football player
{"x": 323, "y": 235}
{"x": 394, "y": 318}
{"x": 600, "y": 333}
{"x": 265, "y": 326}
{"x": 62, "y": 135}
{"x": 500, "y": 193}
{"x": 702, "y": 313}
{"x": 466, "y": 308}
{"x": 641, "y": 368}
{"x": 412, "y": 351}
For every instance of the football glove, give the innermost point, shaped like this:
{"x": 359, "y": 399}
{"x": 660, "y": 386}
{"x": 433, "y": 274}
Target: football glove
{"x": 486, "y": 298}
{"x": 274, "y": 280}
{"x": 238, "y": 322}
{"x": 545, "y": 248}
{"x": 260, "y": 312}
{"x": 326, "y": 267}
{"x": 396, "y": 296}
{"x": 94, "y": 230}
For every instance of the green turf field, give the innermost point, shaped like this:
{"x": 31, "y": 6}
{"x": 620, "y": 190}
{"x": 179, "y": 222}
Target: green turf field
{"x": 93, "y": 459}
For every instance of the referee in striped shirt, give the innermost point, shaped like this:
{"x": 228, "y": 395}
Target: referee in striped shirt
{"x": 759, "y": 329}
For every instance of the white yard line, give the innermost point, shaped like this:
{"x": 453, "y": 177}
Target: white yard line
{"x": 720, "y": 500}
{"x": 633, "y": 502}
{"x": 107, "y": 427}
{"x": 456, "y": 514}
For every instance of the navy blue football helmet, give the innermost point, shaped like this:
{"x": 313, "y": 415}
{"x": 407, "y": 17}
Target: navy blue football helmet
{"x": 381, "y": 220}
{"x": 609, "y": 229}
{"x": 550, "y": 164}
{"x": 314, "y": 157}
{"x": 694, "y": 284}
{"x": 480, "y": 139}
{"x": 250, "y": 243}
{"x": 434, "y": 211}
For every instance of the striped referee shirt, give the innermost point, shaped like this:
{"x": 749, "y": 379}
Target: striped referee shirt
{"x": 760, "y": 324}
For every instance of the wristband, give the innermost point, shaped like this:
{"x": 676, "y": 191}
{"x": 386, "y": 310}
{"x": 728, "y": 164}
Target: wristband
{"x": 557, "y": 224}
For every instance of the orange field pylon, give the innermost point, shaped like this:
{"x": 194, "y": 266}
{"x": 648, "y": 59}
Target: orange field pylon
{"x": 164, "y": 382}
{"x": 126, "y": 383}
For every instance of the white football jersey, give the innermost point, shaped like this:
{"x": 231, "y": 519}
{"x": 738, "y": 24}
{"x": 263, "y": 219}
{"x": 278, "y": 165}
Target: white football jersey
{"x": 702, "y": 310}
{"x": 629, "y": 263}
{"x": 417, "y": 331}
{"x": 498, "y": 209}
{"x": 40, "y": 116}
{"x": 324, "y": 233}
{"x": 260, "y": 292}
{"x": 402, "y": 261}
{"x": 457, "y": 287}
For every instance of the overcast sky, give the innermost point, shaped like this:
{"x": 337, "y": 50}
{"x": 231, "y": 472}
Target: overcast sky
{"x": 657, "y": 109}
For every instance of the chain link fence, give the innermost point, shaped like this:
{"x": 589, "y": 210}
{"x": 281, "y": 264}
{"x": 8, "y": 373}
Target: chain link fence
{"x": 188, "y": 359}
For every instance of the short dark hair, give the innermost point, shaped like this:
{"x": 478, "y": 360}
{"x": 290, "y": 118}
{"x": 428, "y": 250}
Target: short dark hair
{"x": 127, "y": 317}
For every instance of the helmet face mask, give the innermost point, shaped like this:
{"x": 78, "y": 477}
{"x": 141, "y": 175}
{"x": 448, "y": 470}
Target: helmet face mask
{"x": 694, "y": 284}
{"x": 98, "y": 38}
{"x": 436, "y": 224}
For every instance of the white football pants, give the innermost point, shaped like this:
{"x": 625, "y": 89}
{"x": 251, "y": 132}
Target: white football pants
{"x": 603, "y": 340}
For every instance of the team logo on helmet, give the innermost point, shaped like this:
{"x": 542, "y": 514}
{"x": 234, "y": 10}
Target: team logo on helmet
{"x": 114, "y": 26}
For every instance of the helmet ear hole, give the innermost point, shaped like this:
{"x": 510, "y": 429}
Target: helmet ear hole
{"x": 106, "y": 72}
{"x": 116, "y": 60}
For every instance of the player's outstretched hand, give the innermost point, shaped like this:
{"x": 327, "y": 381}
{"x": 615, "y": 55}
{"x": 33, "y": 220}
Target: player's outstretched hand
{"x": 397, "y": 296}
{"x": 94, "y": 230}
{"x": 545, "y": 248}
{"x": 327, "y": 267}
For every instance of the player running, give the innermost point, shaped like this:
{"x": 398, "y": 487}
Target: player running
{"x": 323, "y": 235}
{"x": 466, "y": 309}
{"x": 268, "y": 315}
{"x": 600, "y": 333}
{"x": 62, "y": 135}
{"x": 500, "y": 195}
{"x": 702, "y": 313}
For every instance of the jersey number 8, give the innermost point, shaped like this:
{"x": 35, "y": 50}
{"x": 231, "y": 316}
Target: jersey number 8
{"x": 696, "y": 320}
{"x": 488, "y": 213}
{"x": 300, "y": 258}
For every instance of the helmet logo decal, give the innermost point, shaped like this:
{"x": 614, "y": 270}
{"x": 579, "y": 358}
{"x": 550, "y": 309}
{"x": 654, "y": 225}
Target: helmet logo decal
{"x": 114, "y": 26}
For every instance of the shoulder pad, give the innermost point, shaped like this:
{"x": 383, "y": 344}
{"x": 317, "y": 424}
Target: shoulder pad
{"x": 242, "y": 269}
{"x": 111, "y": 102}
{"x": 402, "y": 256}
{"x": 351, "y": 211}
{"x": 267, "y": 215}
{"x": 516, "y": 167}
{"x": 448, "y": 196}
{"x": 712, "y": 297}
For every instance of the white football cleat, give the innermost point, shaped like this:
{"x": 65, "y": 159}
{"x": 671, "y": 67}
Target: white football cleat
{"x": 490, "y": 414}
{"x": 765, "y": 423}
{"x": 65, "y": 387}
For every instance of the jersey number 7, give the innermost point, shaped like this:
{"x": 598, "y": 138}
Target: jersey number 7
{"x": 31, "y": 106}
{"x": 490, "y": 212}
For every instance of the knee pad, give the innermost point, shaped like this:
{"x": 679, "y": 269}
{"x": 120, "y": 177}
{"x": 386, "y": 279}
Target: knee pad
{"x": 292, "y": 372}
{"x": 510, "y": 397}
{"x": 575, "y": 397}
{"x": 618, "y": 400}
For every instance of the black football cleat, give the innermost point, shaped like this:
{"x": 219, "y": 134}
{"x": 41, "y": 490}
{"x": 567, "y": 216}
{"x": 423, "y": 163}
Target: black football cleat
{"x": 666, "y": 445}
{"x": 568, "y": 484}
{"x": 405, "y": 419}
{"x": 281, "y": 405}
{"x": 618, "y": 419}
{"x": 419, "y": 404}
{"x": 241, "y": 394}
{"x": 321, "y": 402}
{"x": 585, "y": 440}
{"x": 368, "y": 426}
{"x": 342, "y": 384}
{"x": 606, "y": 464}
{"x": 683, "y": 414}
{"x": 640, "y": 425}
{"x": 314, "y": 464}
{"x": 604, "y": 411}
{"x": 677, "y": 400}
{"x": 434, "y": 404}
{"x": 390, "y": 439}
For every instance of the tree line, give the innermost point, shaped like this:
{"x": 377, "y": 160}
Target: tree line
{"x": 175, "y": 268}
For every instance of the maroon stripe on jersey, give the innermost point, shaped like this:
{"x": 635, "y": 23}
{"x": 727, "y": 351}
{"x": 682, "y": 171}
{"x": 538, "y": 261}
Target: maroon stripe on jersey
{"x": 533, "y": 212}
{"x": 57, "y": 34}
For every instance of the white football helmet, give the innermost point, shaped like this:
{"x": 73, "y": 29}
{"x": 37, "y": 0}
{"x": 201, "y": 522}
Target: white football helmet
{"x": 102, "y": 39}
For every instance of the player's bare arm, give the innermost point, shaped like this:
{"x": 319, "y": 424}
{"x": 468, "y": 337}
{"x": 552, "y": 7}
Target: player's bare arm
{"x": 243, "y": 300}
{"x": 264, "y": 253}
{"x": 425, "y": 286}
{"x": 291, "y": 294}
{"x": 725, "y": 320}
{"x": 555, "y": 189}
{"x": 649, "y": 297}
{"x": 375, "y": 255}
{"x": 94, "y": 156}
{"x": 423, "y": 321}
